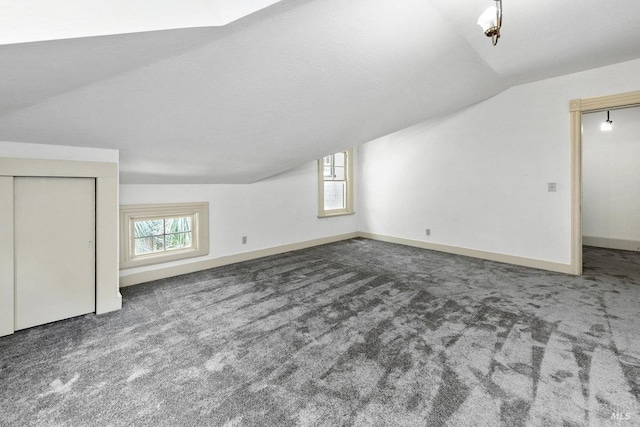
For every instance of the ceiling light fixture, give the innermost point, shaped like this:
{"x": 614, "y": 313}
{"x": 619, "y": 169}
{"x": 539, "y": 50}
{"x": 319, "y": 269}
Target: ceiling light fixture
{"x": 491, "y": 21}
{"x": 607, "y": 125}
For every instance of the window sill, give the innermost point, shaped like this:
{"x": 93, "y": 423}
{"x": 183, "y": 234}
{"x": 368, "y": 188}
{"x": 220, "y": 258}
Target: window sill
{"x": 332, "y": 214}
{"x": 162, "y": 257}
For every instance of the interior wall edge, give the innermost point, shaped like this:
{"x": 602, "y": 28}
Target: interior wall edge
{"x": 610, "y": 243}
{"x": 163, "y": 273}
{"x": 474, "y": 253}
{"x": 148, "y": 276}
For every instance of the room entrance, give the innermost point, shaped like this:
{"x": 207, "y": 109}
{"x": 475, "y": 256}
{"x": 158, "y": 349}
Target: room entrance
{"x": 577, "y": 107}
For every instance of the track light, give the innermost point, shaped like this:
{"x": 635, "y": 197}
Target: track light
{"x": 491, "y": 21}
{"x": 607, "y": 125}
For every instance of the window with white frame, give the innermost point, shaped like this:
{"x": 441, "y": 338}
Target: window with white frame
{"x": 151, "y": 234}
{"x": 335, "y": 184}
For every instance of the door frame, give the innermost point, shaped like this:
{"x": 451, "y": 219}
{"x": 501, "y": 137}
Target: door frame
{"x": 576, "y": 108}
{"x": 108, "y": 296}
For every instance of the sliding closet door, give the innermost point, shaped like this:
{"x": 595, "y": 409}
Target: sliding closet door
{"x": 54, "y": 227}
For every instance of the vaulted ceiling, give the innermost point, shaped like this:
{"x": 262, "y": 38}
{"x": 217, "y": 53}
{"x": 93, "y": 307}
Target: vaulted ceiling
{"x": 291, "y": 82}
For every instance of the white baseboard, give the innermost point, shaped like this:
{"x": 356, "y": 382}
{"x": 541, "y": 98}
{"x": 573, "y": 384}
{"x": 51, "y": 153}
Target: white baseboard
{"x": 163, "y": 273}
{"x": 605, "y": 242}
{"x": 474, "y": 253}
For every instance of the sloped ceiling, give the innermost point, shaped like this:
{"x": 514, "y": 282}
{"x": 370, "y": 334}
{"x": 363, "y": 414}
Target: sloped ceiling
{"x": 292, "y": 82}
{"x": 39, "y": 20}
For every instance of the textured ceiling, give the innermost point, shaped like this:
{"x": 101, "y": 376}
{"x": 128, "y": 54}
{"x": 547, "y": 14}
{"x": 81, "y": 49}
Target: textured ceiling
{"x": 291, "y": 82}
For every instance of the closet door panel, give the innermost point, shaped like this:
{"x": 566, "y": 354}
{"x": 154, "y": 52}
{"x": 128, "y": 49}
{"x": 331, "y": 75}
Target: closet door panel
{"x": 54, "y": 226}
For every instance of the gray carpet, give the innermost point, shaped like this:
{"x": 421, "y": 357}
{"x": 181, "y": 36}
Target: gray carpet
{"x": 353, "y": 333}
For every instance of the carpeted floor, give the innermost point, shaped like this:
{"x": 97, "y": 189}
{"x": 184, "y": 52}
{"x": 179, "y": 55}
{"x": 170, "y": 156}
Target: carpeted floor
{"x": 353, "y": 333}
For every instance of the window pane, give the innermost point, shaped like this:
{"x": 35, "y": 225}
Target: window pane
{"x": 334, "y": 195}
{"x": 143, "y": 246}
{"x": 178, "y": 241}
{"x": 158, "y": 244}
{"x": 177, "y": 225}
{"x": 148, "y": 228}
{"x": 147, "y": 245}
{"x": 339, "y": 158}
{"x": 339, "y": 173}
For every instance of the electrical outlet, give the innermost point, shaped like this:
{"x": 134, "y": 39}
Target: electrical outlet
{"x": 244, "y": 240}
{"x": 552, "y": 187}
{"x": 428, "y": 232}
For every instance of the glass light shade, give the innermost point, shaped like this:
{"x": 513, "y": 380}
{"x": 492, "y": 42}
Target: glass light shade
{"x": 489, "y": 18}
{"x": 606, "y": 126}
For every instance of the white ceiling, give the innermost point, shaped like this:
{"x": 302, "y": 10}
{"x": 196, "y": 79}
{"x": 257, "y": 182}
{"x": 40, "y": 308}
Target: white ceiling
{"x": 292, "y": 82}
{"x": 38, "y": 20}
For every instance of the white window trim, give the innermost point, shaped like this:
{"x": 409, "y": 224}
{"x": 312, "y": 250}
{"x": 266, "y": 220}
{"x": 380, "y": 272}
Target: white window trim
{"x": 131, "y": 213}
{"x": 348, "y": 210}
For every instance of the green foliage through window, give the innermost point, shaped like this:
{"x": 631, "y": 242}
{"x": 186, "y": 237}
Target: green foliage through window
{"x": 162, "y": 234}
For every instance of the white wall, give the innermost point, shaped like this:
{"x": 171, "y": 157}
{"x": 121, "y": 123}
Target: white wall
{"x": 276, "y": 211}
{"x": 478, "y": 178}
{"x": 611, "y": 176}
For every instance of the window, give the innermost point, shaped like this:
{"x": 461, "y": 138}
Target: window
{"x": 335, "y": 184}
{"x": 152, "y": 234}
{"x": 162, "y": 234}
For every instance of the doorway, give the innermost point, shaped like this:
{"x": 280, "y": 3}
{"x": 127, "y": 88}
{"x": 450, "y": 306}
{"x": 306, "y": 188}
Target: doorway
{"x": 611, "y": 179}
{"x": 577, "y": 107}
{"x": 611, "y": 191}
